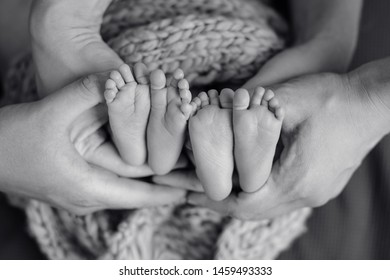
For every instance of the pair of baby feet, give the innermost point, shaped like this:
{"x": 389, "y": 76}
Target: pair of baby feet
{"x": 226, "y": 129}
{"x": 148, "y": 115}
{"x": 234, "y": 129}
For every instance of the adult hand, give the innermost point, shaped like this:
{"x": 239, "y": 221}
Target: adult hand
{"x": 66, "y": 41}
{"x": 38, "y": 158}
{"x": 331, "y": 123}
{"x": 66, "y": 45}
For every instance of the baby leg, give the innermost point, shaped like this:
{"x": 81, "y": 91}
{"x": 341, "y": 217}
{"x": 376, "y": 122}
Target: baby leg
{"x": 211, "y": 134}
{"x": 257, "y": 122}
{"x": 128, "y": 103}
{"x": 170, "y": 110}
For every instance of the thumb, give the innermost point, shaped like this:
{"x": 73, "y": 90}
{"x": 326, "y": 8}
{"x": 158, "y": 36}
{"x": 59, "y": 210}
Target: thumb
{"x": 280, "y": 68}
{"x": 76, "y": 98}
{"x": 284, "y": 171}
{"x": 291, "y": 63}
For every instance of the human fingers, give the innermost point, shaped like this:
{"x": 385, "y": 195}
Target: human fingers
{"x": 106, "y": 156}
{"x": 185, "y": 179}
{"x": 114, "y": 192}
{"x": 241, "y": 208}
{"x": 77, "y": 97}
{"x": 275, "y": 197}
{"x": 294, "y": 62}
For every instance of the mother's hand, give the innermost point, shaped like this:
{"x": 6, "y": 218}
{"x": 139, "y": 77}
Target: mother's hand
{"x": 66, "y": 45}
{"x": 330, "y": 126}
{"x": 66, "y": 42}
{"x": 38, "y": 158}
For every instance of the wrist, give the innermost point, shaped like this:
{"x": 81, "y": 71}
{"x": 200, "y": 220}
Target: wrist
{"x": 334, "y": 54}
{"x": 369, "y": 97}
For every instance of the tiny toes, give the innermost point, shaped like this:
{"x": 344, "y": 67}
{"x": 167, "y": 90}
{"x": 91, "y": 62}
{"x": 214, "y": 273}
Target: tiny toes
{"x": 279, "y": 113}
{"x": 257, "y": 96}
{"x": 268, "y": 95}
{"x": 275, "y": 107}
{"x": 274, "y": 102}
{"x": 185, "y": 95}
{"x": 157, "y": 90}
{"x": 196, "y": 104}
{"x": 126, "y": 73}
{"x": 204, "y": 99}
{"x": 194, "y": 108}
{"x": 110, "y": 95}
{"x": 178, "y": 76}
{"x": 197, "y": 101}
{"x": 187, "y": 110}
{"x": 111, "y": 91}
{"x": 157, "y": 79}
{"x": 213, "y": 96}
{"x": 117, "y": 78}
{"x": 141, "y": 73}
{"x": 226, "y": 98}
{"x": 110, "y": 84}
{"x": 241, "y": 99}
{"x": 183, "y": 84}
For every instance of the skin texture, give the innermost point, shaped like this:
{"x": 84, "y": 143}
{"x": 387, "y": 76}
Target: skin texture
{"x": 303, "y": 56}
{"x": 257, "y": 122}
{"x": 74, "y": 53}
{"x": 170, "y": 110}
{"x": 211, "y": 135}
{"x": 325, "y": 36}
{"x": 323, "y": 143}
{"x": 39, "y": 159}
{"x": 325, "y": 39}
{"x": 128, "y": 103}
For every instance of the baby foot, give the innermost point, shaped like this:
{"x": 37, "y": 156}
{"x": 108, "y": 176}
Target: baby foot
{"x": 170, "y": 110}
{"x": 128, "y": 103}
{"x": 257, "y": 123}
{"x": 211, "y": 136}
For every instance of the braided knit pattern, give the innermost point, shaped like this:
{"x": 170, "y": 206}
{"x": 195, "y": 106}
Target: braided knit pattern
{"x": 213, "y": 41}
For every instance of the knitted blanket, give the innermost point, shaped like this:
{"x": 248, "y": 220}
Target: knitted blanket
{"x": 213, "y": 41}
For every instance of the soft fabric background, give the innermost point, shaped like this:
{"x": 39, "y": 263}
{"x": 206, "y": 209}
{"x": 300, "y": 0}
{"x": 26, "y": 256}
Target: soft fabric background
{"x": 356, "y": 225}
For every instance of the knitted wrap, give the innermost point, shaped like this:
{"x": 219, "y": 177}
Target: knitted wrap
{"x": 213, "y": 41}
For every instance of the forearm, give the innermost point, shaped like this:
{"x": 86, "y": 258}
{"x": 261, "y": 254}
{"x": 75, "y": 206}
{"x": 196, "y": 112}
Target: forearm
{"x": 336, "y": 19}
{"x": 333, "y": 23}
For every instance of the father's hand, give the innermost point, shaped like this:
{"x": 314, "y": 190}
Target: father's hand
{"x": 330, "y": 126}
{"x": 38, "y": 158}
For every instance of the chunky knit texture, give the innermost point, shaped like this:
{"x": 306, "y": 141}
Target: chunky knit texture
{"x": 213, "y": 41}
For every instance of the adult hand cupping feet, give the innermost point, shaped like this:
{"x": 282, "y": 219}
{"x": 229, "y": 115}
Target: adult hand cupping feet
{"x": 46, "y": 166}
{"x": 62, "y": 59}
{"x": 325, "y": 116}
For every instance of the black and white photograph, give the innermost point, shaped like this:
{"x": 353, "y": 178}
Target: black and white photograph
{"x": 195, "y": 130}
